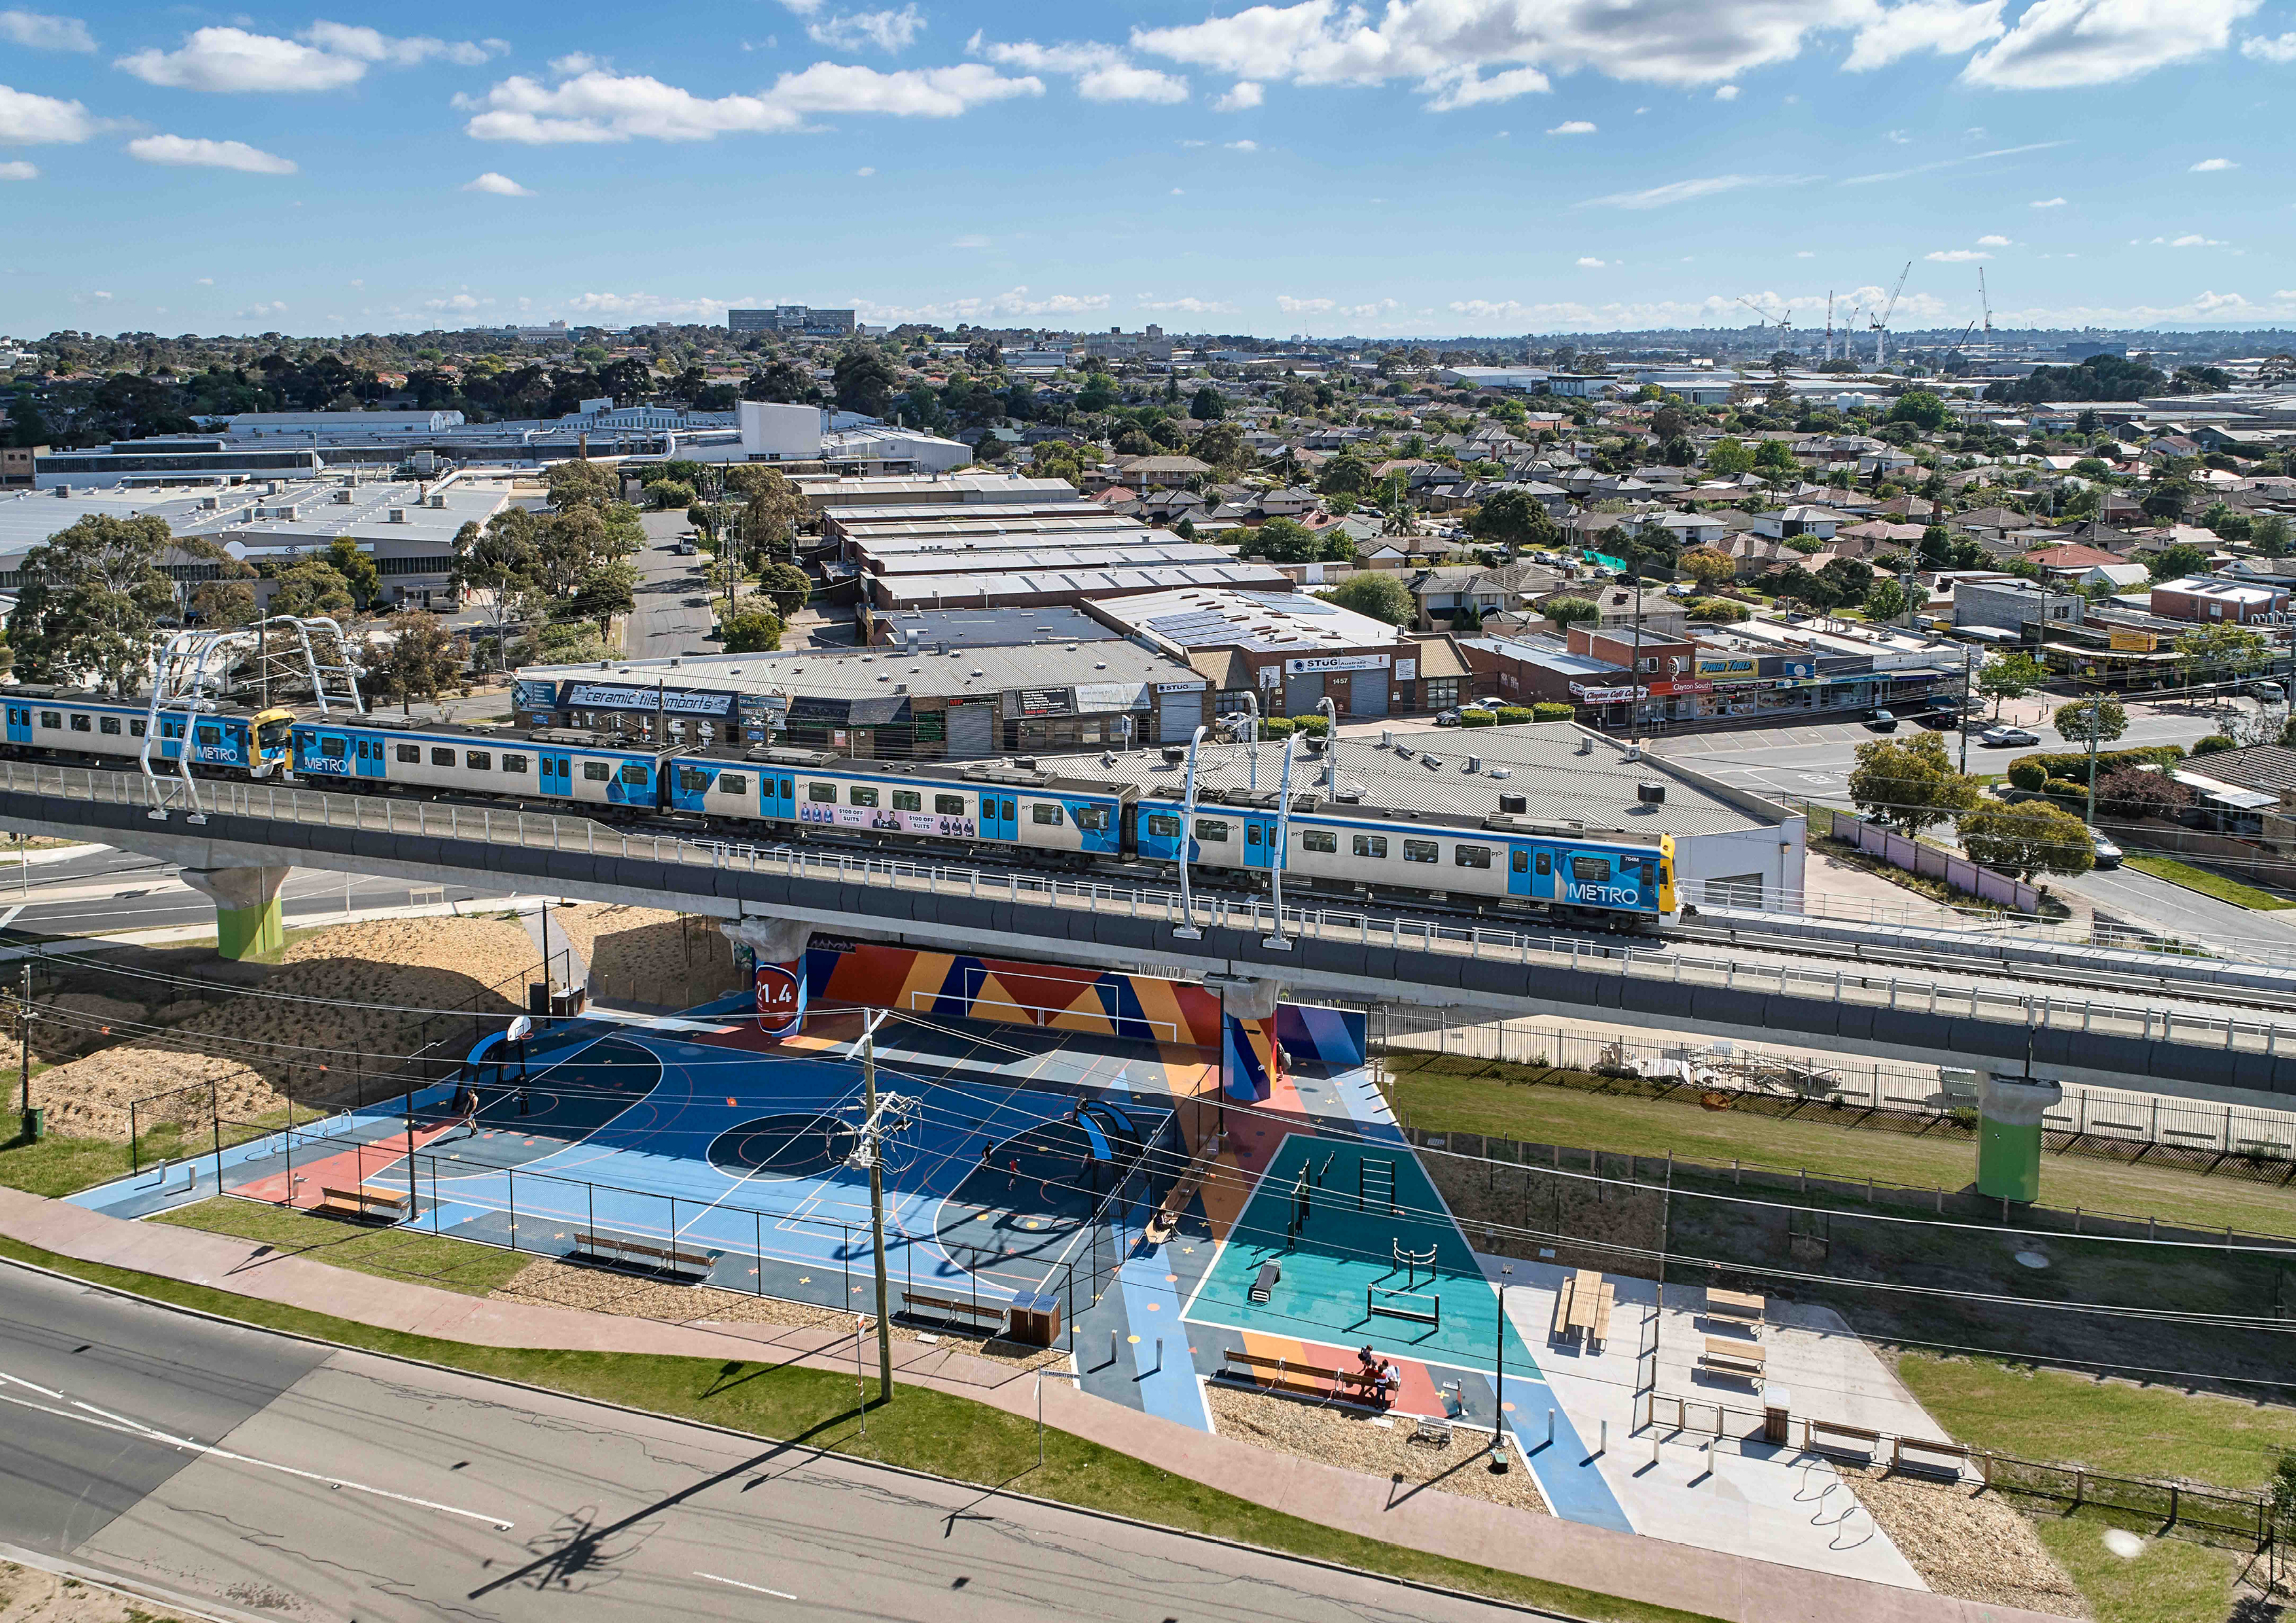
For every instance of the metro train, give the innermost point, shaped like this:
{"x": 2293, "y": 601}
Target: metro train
{"x": 1127, "y": 814}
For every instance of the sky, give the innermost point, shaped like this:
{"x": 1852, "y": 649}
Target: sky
{"x": 1410, "y": 168}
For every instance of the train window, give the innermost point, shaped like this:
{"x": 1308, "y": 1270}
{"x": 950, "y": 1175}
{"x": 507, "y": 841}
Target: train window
{"x": 207, "y": 736}
{"x": 1649, "y": 874}
{"x": 1214, "y": 834}
{"x": 1421, "y": 850}
{"x": 1092, "y": 819}
{"x": 953, "y": 806}
{"x": 479, "y": 760}
{"x": 596, "y": 772}
{"x": 732, "y": 783}
{"x": 826, "y": 793}
{"x": 86, "y": 724}
{"x": 513, "y": 763}
{"x": 1373, "y": 846}
{"x": 634, "y": 773}
{"x": 135, "y": 728}
{"x": 411, "y": 753}
{"x": 1545, "y": 864}
{"x": 907, "y": 800}
{"x": 332, "y": 748}
{"x": 51, "y": 718}
{"x": 1471, "y": 856}
{"x": 1005, "y": 810}
{"x": 1586, "y": 868}
{"x": 1163, "y": 825}
{"x": 1519, "y": 861}
{"x": 442, "y": 757}
{"x": 860, "y": 795}
{"x": 108, "y": 724}
{"x": 1319, "y": 839}
{"x": 1045, "y": 813}
{"x": 691, "y": 782}
{"x": 1251, "y": 833}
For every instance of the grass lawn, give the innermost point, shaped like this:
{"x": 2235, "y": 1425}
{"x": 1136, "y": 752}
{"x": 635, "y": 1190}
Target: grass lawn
{"x": 926, "y": 1430}
{"x": 2169, "y": 1580}
{"x": 57, "y": 1165}
{"x": 393, "y": 1253}
{"x": 1447, "y": 1093}
{"x": 2210, "y": 884}
{"x": 2110, "y": 1426}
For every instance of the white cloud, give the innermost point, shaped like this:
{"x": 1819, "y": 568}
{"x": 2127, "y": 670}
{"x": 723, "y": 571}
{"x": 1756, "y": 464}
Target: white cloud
{"x": 31, "y": 120}
{"x": 2210, "y": 165}
{"x": 39, "y": 31}
{"x": 1589, "y": 263}
{"x": 1993, "y": 241}
{"x": 888, "y": 31}
{"x": 1303, "y": 306}
{"x": 1102, "y": 72}
{"x": 1467, "y": 88}
{"x": 498, "y": 185}
{"x": 1018, "y": 301}
{"x": 1438, "y": 44}
{"x": 1186, "y": 306}
{"x": 459, "y": 302}
{"x": 18, "y": 169}
{"x": 1243, "y": 96}
{"x": 1805, "y": 254}
{"x": 1242, "y": 146}
{"x": 2061, "y": 42}
{"x": 1955, "y": 255}
{"x": 2191, "y": 239}
{"x": 865, "y": 172}
{"x": 1946, "y": 26}
{"x": 206, "y": 281}
{"x": 596, "y": 106}
{"x": 330, "y": 56}
{"x": 2047, "y": 202}
{"x": 1949, "y": 163}
{"x": 1689, "y": 191}
{"x": 1726, "y": 92}
{"x": 2280, "y": 48}
{"x": 1572, "y": 126}
{"x": 186, "y": 151}
{"x": 1177, "y": 193}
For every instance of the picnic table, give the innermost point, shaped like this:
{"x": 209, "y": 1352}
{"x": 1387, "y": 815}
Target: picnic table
{"x": 1739, "y": 1304}
{"x": 1583, "y": 1306}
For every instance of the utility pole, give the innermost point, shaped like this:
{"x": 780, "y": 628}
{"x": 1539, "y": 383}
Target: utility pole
{"x": 1968, "y": 697}
{"x": 869, "y": 1150}
{"x": 24, "y": 1045}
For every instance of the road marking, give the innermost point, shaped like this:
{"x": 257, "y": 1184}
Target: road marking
{"x": 107, "y": 1421}
{"x": 753, "y": 1589}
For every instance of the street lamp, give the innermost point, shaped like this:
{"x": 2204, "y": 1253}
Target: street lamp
{"x": 1187, "y": 931}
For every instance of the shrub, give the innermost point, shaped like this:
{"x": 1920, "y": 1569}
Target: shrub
{"x": 2028, "y": 774}
{"x": 1275, "y": 726}
{"x": 2213, "y": 744}
{"x": 1314, "y": 726}
{"x": 2065, "y": 789}
{"x": 1548, "y": 709}
{"x": 1514, "y": 715}
{"x": 1478, "y": 719}
{"x": 1718, "y": 609}
{"x": 2132, "y": 793}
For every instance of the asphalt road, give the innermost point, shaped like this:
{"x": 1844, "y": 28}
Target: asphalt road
{"x": 295, "y": 1482}
{"x": 673, "y": 614}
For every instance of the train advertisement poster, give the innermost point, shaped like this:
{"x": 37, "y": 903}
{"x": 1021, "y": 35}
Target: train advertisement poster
{"x": 878, "y": 818}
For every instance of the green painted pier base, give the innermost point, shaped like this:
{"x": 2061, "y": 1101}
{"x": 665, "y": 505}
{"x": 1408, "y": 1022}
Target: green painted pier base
{"x": 249, "y": 924}
{"x": 2009, "y": 1137}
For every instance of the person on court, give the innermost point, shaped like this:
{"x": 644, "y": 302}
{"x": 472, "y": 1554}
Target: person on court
{"x": 465, "y": 1109}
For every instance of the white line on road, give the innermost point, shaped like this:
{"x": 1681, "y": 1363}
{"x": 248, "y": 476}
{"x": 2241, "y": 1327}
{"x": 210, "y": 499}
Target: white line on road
{"x": 753, "y": 1589}
{"x": 104, "y": 1420}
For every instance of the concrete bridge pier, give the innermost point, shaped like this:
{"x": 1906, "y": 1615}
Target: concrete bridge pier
{"x": 249, "y": 924}
{"x": 2009, "y": 1113}
{"x": 777, "y": 985}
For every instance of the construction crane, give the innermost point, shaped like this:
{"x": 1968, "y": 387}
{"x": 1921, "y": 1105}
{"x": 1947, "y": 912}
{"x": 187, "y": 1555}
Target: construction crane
{"x": 1985, "y": 301}
{"x": 1882, "y": 322}
{"x": 1829, "y": 324}
{"x": 1762, "y": 316}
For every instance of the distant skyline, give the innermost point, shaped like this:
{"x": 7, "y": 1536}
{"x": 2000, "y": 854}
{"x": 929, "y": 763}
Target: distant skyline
{"x": 1417, "y": 167}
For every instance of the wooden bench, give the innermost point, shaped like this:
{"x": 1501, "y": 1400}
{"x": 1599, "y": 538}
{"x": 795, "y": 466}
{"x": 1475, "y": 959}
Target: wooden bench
{"x": 1563, "y": 1309}
{"x": 362, "y": 1200}
{"x": 1854, "y": 1444}
{"x": 617, "y": 1250}
{"x": 952, "y": 1309}
{"x": 1740, "y": 1307}
{"x": 1282, "y": 1370}
{"x": 1600, "y": 1329}
{"x": 1733, "y": 1357}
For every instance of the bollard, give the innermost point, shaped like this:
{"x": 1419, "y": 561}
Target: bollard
{"x": 1550, "y": 1427}
{"x": 1604, "y": 1446}
{"x": 1160, "y": 1354}
{"x": 1111, "y": 1347}
{"x": 1653, "y": 1447}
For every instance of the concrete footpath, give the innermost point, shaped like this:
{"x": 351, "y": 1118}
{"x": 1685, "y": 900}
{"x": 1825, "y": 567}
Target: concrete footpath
{"x": 1733, "y": 1587}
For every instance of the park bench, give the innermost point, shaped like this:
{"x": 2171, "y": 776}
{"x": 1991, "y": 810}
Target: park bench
{"x": 1279, "y": 1373}
{"x": 1740, "y": 1307}
{"x": 952, "y": 1309}
{"x": 1853, "y": 1444}
{"x": 616, "y": 1251}
{"x": 1599, "y": 1331}
{"x": 1733, "y": 1357}
{"x": 362, "y": 1200}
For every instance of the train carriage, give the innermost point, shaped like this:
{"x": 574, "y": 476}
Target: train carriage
{"x": 373, "y": 751}
{"x": 64, "y": 721}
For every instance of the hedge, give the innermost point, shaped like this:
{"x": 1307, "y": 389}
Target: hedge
{"x": 2065, "y": 789}
{"x": 1547, "y": 710}
{"x": 1275, "y": 726}
{"x": 1514, "y": 715}
{"x": 2032, "y": 773}
{"x": 1478, "y": 719}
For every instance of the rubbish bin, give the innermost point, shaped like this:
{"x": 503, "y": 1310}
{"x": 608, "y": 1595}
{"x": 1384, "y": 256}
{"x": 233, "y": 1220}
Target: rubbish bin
{"x": 36, "y": 1122}
{"x": 1778, "y": 1413}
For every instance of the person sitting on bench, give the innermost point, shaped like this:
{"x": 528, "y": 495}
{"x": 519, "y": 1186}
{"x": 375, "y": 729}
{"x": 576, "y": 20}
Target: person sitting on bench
{"x": 1387, "y": 1384}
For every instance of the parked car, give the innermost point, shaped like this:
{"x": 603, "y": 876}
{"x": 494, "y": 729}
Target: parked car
{"x": 1883, "y": 721}
{"x": 682, "y": 549}
{"x": 2268, "y": 693}
{"x": 2108, "y": 855}
{"x": 2008, "y": 738}
{"x": 1682, "y": 588}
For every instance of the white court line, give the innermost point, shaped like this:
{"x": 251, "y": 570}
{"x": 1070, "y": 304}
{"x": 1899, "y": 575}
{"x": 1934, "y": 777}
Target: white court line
{"x": 105, "y": 1421}
{"x": 754, "y": 1588}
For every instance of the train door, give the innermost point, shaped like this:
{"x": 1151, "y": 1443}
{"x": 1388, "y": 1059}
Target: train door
{"x": 369, "y": 762}
{"x": 777, "y": 796}
{"x": 557, "y": 773}
{"x": 19, "y": 724}
{"x": 1000, "y": 816}
{"x": 1531, "y": 872}
{"x": 1259, "y": 842}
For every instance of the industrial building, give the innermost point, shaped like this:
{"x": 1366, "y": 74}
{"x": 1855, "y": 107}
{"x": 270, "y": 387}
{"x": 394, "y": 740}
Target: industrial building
{"x": 791, "y": 321}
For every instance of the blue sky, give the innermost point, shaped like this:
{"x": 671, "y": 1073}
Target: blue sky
{"x": 1411, "y": 167}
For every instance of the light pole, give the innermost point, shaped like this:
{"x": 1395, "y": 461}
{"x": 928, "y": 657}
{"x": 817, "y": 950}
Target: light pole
{"x": 1187, "y": 931}
{"x": 1251, "y": 740}
{"x": 1968, "y": 695}
{"x": 1282, "y": 848}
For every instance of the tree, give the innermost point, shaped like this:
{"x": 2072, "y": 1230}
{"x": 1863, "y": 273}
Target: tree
{"x": 1283, "y": 541}
{"x": 1568, "y": 612}
{"x": 419, "y": 661}
{"x": 2091, "y": 720}
{"x": 750, "y": 628}
{"x": 1709, "y": 566}
{"x": 1097, "y": 395}
{"x": 358, "y": 570}
{"x": 1220, "y": 446}
{"x": 607, "y": 589}
{"x": 2027, "y": 838}
{"x": 669, "y": 493}
{"x": 1886, "y": 599}
{"x": 2211, "y": 653}
{"x": 226, "y": 601}
{"x": 1774, "y": 461}
{"x": 1849, "y": 578}
{"x": 1919, "y": 407}
{"x": 579, "y": 483}
{"x": 2130, "y": 792}
{"x": 1910, "y": 784}
{"x": 1346, "y": 474}
{"x": 1729, "y": 456}
{"x": 1513, "y": 519}
{"x": 2010, "y": 676}
{"x": 862, "y": 380}
{"x": 771, "y": 508}
{"x": 1375, "y": 593}
{"x": 310, "y": 587}
{"x": 1208, "y": 406}
{"x": 2175, "y": 562}
{"x": 501, "y": 565}
{"x": 2268, "y": 534}
{"x": 90, "y": 603}
{"x": 787, "y": 585}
